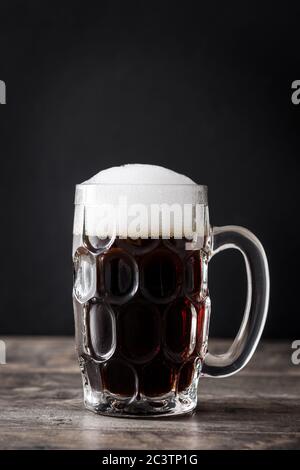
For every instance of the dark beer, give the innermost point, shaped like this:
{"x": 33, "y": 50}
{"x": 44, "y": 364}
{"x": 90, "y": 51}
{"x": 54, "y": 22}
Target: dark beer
{"x": 145, "y": 324}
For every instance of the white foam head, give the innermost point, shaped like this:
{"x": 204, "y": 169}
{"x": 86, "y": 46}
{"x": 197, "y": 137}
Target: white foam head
{"x": 138, "y": 174}
{"x": 138, "y": 185}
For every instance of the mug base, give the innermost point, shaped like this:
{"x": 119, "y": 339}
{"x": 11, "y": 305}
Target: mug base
{"x": 143, "y": 408}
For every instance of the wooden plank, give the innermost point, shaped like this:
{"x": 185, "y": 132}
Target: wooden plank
{"x": 70, "y": 439}
{"x": 41, "y": 405}
{"x": 58, "y": 353}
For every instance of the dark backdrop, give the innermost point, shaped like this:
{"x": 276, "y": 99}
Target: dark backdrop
{"x": 206, "y": 92}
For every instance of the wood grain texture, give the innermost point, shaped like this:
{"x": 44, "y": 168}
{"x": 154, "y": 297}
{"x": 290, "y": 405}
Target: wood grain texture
{"x": 41, "y": 405}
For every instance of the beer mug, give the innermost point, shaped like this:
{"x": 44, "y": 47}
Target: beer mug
{"x": 141, "y": 253}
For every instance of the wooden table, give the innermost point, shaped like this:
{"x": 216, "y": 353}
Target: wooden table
{"x": 41, "y": 405}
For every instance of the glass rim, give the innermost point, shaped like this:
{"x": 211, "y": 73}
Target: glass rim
{"x": 96, "y": 185}
{"x": 153, "y": 193}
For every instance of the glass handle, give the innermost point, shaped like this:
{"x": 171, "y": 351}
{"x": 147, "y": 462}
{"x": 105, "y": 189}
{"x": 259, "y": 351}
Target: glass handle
{"x": 258, "y": 287}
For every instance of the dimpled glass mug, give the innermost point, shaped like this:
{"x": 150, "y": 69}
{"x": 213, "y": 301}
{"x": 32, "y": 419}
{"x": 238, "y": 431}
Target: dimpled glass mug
{"x": 141, "y": 247}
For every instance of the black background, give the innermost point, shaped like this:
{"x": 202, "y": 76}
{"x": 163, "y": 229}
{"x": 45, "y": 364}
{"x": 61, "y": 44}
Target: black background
{"x": 205, "y": 91}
